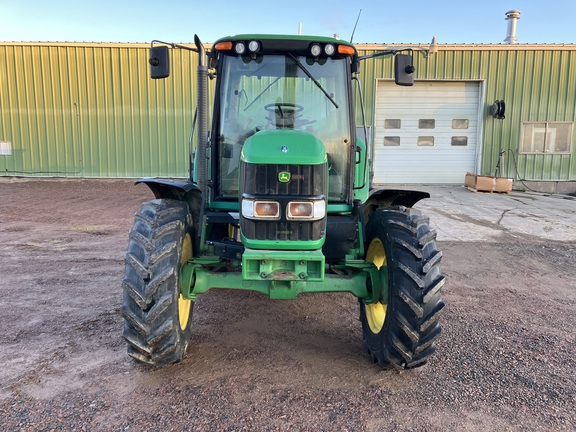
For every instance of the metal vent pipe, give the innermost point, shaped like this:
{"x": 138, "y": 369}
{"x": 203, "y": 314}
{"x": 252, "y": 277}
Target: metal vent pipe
{"x": 512, "y": 17}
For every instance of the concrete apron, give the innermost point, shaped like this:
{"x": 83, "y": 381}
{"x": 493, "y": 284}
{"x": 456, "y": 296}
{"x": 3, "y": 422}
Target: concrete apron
{"x": 457, "y": 214}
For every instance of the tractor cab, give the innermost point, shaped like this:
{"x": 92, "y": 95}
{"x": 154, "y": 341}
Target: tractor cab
{"x": 285, "y": 89}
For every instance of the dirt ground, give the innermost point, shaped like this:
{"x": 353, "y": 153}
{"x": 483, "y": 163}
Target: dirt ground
{"x": 505, "y": 360}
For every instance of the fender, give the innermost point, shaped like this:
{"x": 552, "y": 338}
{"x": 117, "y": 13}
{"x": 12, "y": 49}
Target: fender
{"x": 390, "y": 197}
{"x": 181, "y": 191}
{"x": 169, "y": 189}
{"x": 394, "y": 197}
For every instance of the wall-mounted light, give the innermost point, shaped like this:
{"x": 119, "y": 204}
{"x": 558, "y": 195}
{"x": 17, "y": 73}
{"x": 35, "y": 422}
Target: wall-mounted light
{"x": 433, "y": 48}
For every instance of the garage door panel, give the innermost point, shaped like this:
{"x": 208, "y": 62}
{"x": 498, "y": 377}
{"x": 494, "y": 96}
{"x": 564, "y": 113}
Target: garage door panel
{"x": 454, "y": 109}
{"x": 454, "y": 148}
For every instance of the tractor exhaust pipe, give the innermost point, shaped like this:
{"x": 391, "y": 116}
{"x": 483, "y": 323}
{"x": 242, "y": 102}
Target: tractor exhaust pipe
{"x": 202, "y": 107}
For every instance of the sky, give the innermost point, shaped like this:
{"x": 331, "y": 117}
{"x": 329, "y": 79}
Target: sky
{"x": 381, "y": 21}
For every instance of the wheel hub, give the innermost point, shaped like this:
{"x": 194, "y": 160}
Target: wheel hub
{"x": 376, "y": 312}
{"x": 184, "y": 303}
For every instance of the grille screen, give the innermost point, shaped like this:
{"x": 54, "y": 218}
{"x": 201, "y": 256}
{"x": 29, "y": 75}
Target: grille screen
{"x": 304, "y": 180}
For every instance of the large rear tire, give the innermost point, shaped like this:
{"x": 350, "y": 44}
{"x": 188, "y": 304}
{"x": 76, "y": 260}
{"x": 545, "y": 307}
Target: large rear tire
{"x": 401, "y": 328}
{"x": 157, "y": 317}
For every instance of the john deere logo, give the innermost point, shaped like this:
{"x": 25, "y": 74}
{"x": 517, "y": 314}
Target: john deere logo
{"x": 283, "y": 176}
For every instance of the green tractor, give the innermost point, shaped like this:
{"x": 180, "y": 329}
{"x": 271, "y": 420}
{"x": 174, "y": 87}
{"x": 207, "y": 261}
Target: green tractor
{"x": 279, "y": 201}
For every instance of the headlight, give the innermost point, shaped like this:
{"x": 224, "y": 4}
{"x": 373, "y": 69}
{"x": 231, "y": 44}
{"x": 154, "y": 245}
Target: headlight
{"x": 240, "y": 48}
{"x": 329, "y": 49}
{"x": 253, "y": 46}
{"x": 315, "y": 50}
{"x": 260, "y": 209}
{"x": 300, "y": 210}
{"x": 306, "y": 210}
{"x": 266, "y": 209}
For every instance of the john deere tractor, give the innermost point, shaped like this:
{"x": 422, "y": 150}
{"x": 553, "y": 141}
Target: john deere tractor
{"x": 279, "y": 201}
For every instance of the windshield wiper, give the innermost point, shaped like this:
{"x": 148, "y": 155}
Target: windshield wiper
{"x": 309, "y": 75}
{"x": 262, "y": 92}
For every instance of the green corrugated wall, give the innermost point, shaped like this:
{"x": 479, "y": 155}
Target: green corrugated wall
{"x": 90, "y": 110}
{"x": 538, "y": 83}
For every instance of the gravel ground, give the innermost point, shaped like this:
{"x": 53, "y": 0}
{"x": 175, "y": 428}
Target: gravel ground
{"x": 505, "y": 359}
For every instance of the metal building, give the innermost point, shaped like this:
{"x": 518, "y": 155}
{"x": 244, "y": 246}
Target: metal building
{"x": 90, "y": 110}
{"x": 448, "y": 122}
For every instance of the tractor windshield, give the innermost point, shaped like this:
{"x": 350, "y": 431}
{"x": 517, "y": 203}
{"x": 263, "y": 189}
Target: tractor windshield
{"x": 284, "y": 92}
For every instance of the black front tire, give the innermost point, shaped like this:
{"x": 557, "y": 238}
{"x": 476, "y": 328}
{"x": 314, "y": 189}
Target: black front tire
{"x": 157, "y": 319}
{"x": 400, "y": 330}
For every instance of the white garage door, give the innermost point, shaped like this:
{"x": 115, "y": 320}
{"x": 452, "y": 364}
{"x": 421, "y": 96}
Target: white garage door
{"x": 426, "y": 133}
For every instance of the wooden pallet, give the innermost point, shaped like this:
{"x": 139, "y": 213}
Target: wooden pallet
{"x": 487, "y": 191}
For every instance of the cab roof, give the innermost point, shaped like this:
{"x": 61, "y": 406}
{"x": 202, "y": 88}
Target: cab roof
{"x": 286, "y": 43}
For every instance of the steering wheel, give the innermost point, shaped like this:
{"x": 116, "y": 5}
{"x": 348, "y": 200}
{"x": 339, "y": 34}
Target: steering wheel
{"x": 284, "y": 109}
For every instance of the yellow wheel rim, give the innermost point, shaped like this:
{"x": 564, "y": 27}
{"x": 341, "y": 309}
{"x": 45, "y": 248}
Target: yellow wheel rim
{"x": 376, "y": 312}
{"x": 184, "y": 303}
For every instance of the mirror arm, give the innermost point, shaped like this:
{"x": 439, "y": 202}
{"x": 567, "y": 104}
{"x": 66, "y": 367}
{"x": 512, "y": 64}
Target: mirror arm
{"x": 387, "y": 52}
{"x": 378, "y": 54}
{"x": 173, "y": 45}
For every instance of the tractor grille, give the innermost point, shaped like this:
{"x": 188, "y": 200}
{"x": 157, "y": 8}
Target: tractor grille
{"x": 305, "y": 180}
{"x": 261, "y": 181}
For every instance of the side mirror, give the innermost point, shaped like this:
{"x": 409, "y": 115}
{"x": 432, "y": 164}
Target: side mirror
{"x": 404, "y": 69}
{"x": 159, "y": 62}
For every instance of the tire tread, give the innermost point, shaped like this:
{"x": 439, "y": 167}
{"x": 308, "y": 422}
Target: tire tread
{"x": 414, "y": 291}
{"x": 151, "y": 330}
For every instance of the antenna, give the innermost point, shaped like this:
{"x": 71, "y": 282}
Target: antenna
{"x": 354, "y": 31}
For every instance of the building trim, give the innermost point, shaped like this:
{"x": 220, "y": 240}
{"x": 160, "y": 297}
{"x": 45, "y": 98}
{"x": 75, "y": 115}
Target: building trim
{"x": 471, "y": 47}
{"x": 359, "y": 46}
